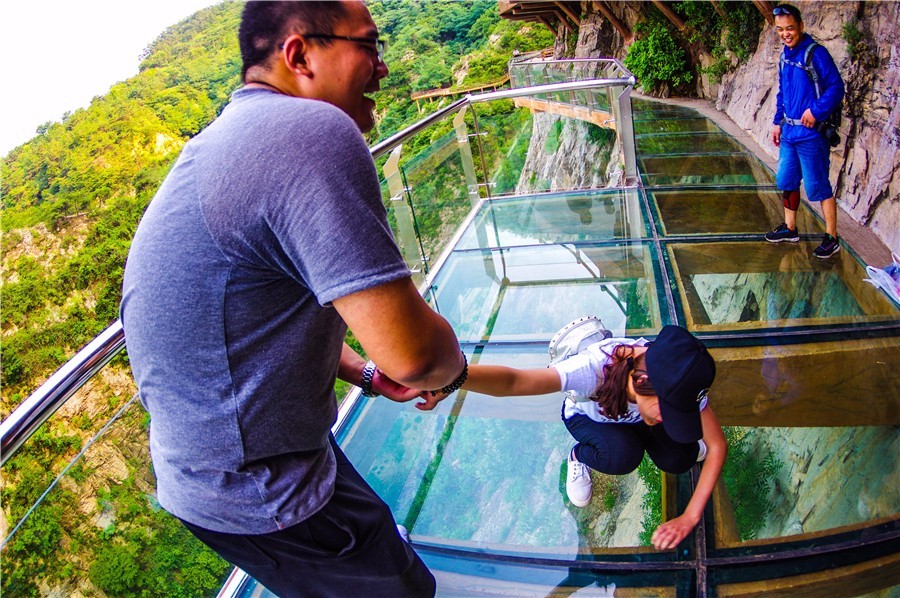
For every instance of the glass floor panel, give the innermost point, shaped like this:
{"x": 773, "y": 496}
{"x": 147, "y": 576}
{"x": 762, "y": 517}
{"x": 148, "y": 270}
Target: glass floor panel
{"x": 529, "y": 293}
{"x": 704, "y": 169}
{"x": 746, "y": 285}
{"x": 650, "y": 110}
{"x": 686, "y": 143}
{"x": 542, "y": 219}
{"x": 731, "y": 211}
{"x": 489, "y": 473}
{"x": 698, "y": 124}
{"x": 572, "y": 582}
{"x": 849, "y": 382}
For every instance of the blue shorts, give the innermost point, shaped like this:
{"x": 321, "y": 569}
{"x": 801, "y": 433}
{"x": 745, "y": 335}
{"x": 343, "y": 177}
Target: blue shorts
{"x": 809, "y": 160}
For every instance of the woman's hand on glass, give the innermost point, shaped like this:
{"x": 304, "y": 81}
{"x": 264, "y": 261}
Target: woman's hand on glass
{"x": 430, "y": 401}
{"x": 670, "y": 534}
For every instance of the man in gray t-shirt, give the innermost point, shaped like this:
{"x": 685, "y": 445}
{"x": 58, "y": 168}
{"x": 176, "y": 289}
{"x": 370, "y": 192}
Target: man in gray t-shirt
{"x": 265, "y": 242}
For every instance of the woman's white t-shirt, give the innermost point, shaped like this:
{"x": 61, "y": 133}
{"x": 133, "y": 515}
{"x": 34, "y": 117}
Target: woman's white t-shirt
{"x": 582, "y": 373}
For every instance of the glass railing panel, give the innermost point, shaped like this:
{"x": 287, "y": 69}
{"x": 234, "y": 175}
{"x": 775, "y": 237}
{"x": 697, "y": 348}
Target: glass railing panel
{"x": 573, "y": 217}
{"x": 555, "y": 158}
{"x": 695, "y": 124}
{"x": 725, "y": 212}
{"x": 99, "y": 529}
{"x": 400, "y": 219}
{"x": 461, "y": 474}
{"x": 706, "y": 169}
{"x": 754, "y": 285}
{"x": 651, "y": 144}
{"x": 504, "y": 137}
{"x": 437, "y": 187}
{"x": 529, "y": 293}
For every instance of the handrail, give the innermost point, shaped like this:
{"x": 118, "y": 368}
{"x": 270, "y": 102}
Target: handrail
{"x": 64, "y": 383}
{"x": 549, "y": 88}
{"x": 383, "y": 147}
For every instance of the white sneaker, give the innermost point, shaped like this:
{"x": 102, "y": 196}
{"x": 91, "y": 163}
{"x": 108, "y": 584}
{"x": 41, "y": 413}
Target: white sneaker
{"x": 702, "y": 454}
{"x": 578, "y": 481}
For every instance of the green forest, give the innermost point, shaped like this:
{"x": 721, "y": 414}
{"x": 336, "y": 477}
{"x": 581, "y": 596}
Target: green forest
{"x": 71, "y": 200}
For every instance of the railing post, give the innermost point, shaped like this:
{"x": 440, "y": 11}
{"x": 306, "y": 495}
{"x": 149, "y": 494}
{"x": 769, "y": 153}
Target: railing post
{"x": 621, "y": 108}
{"x": 465, "y": 154}
{"x": 410, "y": 244}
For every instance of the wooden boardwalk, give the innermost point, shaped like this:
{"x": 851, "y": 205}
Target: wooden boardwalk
{"x": 453, "y": 91}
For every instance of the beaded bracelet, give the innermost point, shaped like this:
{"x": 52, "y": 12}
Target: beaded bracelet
{"x": 456, "y": 384}
{"x": 367, "y": 374}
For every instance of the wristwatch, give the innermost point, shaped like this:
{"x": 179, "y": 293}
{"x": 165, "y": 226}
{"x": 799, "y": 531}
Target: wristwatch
{"x": 367, "y": 374}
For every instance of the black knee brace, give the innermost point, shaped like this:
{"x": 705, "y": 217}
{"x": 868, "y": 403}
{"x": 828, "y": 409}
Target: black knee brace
{"x": 791, "y": 200}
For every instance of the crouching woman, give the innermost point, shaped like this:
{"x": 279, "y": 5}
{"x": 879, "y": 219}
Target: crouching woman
{"x": 625, "y": 397}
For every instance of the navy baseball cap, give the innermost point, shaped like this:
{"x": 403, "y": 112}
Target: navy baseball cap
{"x": 681, "y": 371}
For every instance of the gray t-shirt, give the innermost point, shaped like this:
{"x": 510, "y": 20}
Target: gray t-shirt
{"x": 269, "y": 214}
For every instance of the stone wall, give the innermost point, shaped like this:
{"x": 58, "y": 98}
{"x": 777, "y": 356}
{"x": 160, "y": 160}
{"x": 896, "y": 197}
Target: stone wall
{"x": 864, "y": 166}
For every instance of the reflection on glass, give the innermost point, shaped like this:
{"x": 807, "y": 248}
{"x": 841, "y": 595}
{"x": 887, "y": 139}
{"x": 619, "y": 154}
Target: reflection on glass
{"x": 576, "y": 581}
{"x": 542, "y": 219}
{"x": 704, "y": 169}
{"x": 733, "y": 211}
{"x": 870, "y": 579}
{"x": 530, "y": 292}
{"x": 649, "y": 110}
{"x": 755, "y": 284}
{"x": 436, "y": 183}
{"x": 504, "y": 140}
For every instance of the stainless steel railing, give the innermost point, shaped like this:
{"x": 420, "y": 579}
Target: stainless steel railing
{"x": 52, "y": 394}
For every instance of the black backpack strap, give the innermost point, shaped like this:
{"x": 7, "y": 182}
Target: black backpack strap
{"x": 811, "y": 70}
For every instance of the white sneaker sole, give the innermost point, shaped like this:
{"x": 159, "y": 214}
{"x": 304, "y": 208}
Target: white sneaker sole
{"x": 578, "y": 503}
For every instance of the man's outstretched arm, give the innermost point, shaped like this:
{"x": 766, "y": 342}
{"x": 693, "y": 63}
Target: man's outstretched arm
{"x": 408, "y": 341}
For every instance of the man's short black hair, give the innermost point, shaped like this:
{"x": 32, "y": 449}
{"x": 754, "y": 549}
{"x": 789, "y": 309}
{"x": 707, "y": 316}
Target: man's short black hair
{"x": 266, "y": 23}
{"x": 792, "y": 10}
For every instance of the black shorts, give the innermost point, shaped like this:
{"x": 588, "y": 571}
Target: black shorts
{"x": 348, "y": 548}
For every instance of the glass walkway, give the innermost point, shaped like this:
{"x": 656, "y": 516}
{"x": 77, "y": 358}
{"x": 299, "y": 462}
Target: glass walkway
{"x": 806, "y": 354}
{"x": 520, "y": 213}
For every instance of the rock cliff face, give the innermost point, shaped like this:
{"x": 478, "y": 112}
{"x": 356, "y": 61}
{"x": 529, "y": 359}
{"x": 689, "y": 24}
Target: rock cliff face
{"x": 865, "y": 165}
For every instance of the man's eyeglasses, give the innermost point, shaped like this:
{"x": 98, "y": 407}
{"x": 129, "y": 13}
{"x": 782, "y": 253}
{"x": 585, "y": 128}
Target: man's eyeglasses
{"x": 780, "y": 11}
{"x": 377, "y": 43}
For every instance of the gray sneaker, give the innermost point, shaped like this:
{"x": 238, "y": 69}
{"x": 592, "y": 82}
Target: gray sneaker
{"x": 830, "y": 245}
{"x": 781, "y": 234}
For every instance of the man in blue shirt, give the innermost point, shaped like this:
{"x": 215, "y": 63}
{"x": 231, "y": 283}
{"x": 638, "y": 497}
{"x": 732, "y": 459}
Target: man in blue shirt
{"x": 267, "y": 240}
{"x": 801, "y": 111}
